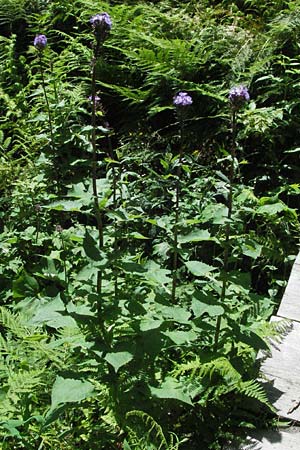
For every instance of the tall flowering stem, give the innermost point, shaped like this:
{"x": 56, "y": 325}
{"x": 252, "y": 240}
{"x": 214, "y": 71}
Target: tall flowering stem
{"x": 180, "y": 101}
{"x": 114, "y": 206}
{"x": 238, "y": 96}
{"x": 40, "y": 43}
{"x": 101, "y": 24}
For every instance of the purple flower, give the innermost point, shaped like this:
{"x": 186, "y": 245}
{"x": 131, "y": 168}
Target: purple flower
{"x": 182, "y": 99}
{"x": 40, "y": 41}
{"x": 97, "y": 98}
{"x": 238, "y": 95}
{"x": 102, "y": 24}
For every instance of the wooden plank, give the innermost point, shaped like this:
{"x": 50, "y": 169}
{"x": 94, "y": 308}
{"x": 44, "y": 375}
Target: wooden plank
{"x": 281, "y": 373}
{"x": 290, "y": 304}
{"x": 274, "y": 440}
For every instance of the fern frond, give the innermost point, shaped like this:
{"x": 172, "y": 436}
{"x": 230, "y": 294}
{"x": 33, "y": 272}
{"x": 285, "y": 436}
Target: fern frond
{"x": 253, "y": 389}
{"x": 12, "y": 322}
{"x": 145, "y": 433}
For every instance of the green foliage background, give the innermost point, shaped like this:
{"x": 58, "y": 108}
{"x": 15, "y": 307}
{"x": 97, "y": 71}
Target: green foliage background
{"x": 130, "y": 369}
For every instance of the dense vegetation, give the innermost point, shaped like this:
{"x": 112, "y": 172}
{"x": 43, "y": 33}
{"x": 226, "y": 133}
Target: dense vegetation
{"x": 143, "y": 246}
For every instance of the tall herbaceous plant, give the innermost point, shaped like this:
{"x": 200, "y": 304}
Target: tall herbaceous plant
{"x": 139, "y": 260}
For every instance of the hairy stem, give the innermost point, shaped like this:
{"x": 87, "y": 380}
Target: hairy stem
{"x": 46, "y": 99}
{"x": 65, "y": 262}
{"x": 114, "y": 206}
{"x": 97, "y": 210}
{"x": 227, "y": 229}
{"x": 175, "y": 229}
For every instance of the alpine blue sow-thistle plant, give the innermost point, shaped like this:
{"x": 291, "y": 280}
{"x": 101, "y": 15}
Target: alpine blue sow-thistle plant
{"x": 181, "y": 101}
{"x": 238, "y": 96}
{"x": 40, "y": 43}
{"x": 101, "y": 24}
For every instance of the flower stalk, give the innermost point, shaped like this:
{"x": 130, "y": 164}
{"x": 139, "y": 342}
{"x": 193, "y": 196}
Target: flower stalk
{"x": 101, "y": 24}
{"x": 40, "y": 43}
{"x": 238, "y": 96}
{"x": 181, "y": 101}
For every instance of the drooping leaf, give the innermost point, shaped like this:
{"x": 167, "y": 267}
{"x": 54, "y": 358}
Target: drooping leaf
{"x": 50, "y": 313}
{"x": 70, "y": 390}
{"x": 174, "y": 313}
{"x": 171, "y": 389}
{"x": 118, "y": 359}
{"x": 147, "y": 324}
{"x": 66, "y": 205}
{"x": 251, "y": 248}
{"x": 200, "y": 308}
{"x": 25, "y": 286}
{"x": 194, "y": 236}
{"x": 91, "y": 248}
{"x": 199, "y": 269}
{"x": 181, "y": 337}
{"x": 156, "y": 274}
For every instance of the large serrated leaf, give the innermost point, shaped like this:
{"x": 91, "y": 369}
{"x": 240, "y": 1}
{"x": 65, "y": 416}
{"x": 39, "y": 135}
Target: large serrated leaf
{"x": 194, "y": 236}
{"x": 50, "y": 313}
{"x": 199, "y": 269}
{"x": 25, "y": 286}
{"x": 174, "y": 313}
{"x": 66, "y": 205}
{"x": 118, "y": 359}
{"x": 69, "y": 390}
{"x": 181, "y": 337}
{"x": 147, "y": 324}
{"x": 91, "y": 248}
{"x": 171, "y": 389}
{"x": 200, "y": 308}
{"x": 156, "y": 275}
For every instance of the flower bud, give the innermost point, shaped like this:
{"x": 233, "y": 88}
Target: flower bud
{"x": 40, "y": 42}
{"x": 182, "y": 99}
{"x": 101, "y": 24}
{"x": 238, "y": 95}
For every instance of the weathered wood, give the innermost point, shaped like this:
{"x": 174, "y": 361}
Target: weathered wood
{"x": 281, "y": 372}
{"x": 290, "y": 304}
{"x": 274, "y": 440}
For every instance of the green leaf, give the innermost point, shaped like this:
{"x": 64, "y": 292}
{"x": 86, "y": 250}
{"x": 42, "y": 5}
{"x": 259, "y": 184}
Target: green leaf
{"x": 66, "y": 205}
{"x": 25, "y": 286}
{"x": 49, "y": 314}
{"x": 147, "y": 324}
{"x": 200, "y": 308}
{"x": 174, "y": 313}
{"x": 205, "y": 303}
{"x": 131, "y": 267}
{"x": 181, "y": 337}
{"x": 194, "y": 236}
{"x": 91, "y": 248}
{"x": 70, "y": 390}
{"x": 118, "y": 359}
{"x": 216, "y": 213}
{"x": 251, "y": 248}
{"x": 171, "y": 389}
{"x": 137, "y": 235}
{"x": 199, "y": 269}
{"x": 156, "y": 274}
{"x": 272, "y": 209}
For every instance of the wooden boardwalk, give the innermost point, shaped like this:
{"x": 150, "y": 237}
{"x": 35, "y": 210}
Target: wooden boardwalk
{"x": 281, "y": 373}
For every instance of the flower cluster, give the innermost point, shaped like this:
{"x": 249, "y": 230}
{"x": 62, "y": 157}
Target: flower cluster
{"x": 97, "y": 98}
{"x": 101, "y": 24}
{"x": 238, "y": 95}
{"x": 40, "y": 42}
{"x": 182, "y": 99}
